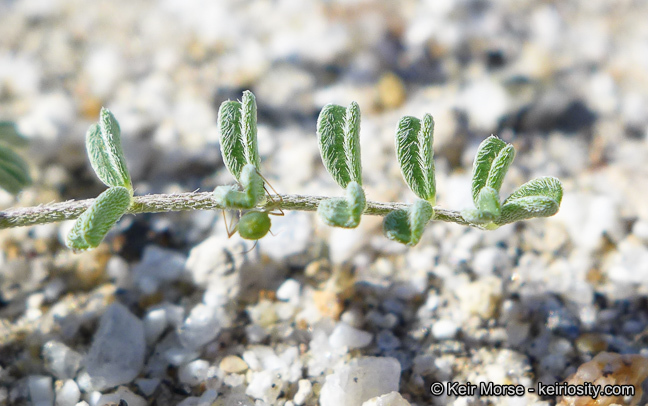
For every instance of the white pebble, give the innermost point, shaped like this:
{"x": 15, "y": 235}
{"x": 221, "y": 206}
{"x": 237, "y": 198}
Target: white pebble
{"x": 390, "y": 399}
{"x": 304, "y": 391}
{"x": 147, "y": 386}
{"x": 60, "y": 360}
{"x": 68, "y": 394}
{"x": 40, "y": 390}
{"x": 199, "y": 328}
{"x": 121, "y": 393}
{"x": 155, "y": 322}
{"x": 444, "y": 329}
{"x": 194, "y": 372}
{"x": 361, "y": 380}
{"x": 265, "y": 385}
{"x": 289, "y": 291}
{"x": 117, "y": 352}
{"x": 346, "y": 336}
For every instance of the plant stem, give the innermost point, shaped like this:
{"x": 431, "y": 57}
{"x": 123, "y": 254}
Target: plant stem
{"x": 50, "y": 213}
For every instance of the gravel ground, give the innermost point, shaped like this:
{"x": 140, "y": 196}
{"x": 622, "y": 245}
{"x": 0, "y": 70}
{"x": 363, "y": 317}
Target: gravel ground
{"x": 169, "y": 311}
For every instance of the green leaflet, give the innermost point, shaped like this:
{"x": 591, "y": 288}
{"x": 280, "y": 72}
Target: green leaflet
{"x": 254, "y": 225}
{"x": 344, "y": 212}
{"x": 415, "y": 155}
{"x": 407, "y": 226}
{"x": 488, "y": 207}
{"x": 14, "y": 172}
{"x": 93, "y": 225}
{"x": 491, "y": 164}
{"x": 238, "y": 129}
{"x": 253, "y": 192}
{"x": 338, "y": 134}
{"x": 539, "y": 197}
{"x": 103, "y": 143}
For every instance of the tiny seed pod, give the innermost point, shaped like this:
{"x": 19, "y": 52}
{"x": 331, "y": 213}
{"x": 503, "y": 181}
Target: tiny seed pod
{"x": 344, "y": 212}
{"x": 254, "y": 225}
{"x": 407, "y": 226}
{"x": 93, "y": 225}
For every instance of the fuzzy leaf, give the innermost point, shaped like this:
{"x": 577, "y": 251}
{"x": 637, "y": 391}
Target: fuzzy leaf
{"x": 539, "y": 197}
{"x": 407, "y": 226}
{"x": 527, "y": 207}
{"x": 547, "y": 186}
{"x": 103, "y": 143}
{"x": 14, "y": 172}
{"x": 344, "y": 212}
{"x": 231, "y": 138}
{"x": 338, "y": 133}
{"x": 93, "y": 225}
{"x": 415, "y": 155}
{"x": 491, "y": 164}
{"x": 249, "y": 129}
{"x": 253, "y": 192}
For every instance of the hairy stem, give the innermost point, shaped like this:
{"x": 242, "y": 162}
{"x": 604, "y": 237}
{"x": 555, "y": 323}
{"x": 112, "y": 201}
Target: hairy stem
{"x": 50, "y": 213}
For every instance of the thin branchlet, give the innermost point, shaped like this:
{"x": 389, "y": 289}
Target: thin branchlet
{"x": 69, "y": 210}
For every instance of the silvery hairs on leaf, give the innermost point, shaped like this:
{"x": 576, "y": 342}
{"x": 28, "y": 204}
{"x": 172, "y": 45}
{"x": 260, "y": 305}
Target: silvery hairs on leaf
{"x": 407, "y": 226}
{"x": 238, "y": 134}
{"x": 103, "y": 143}
{"x": 253, "y": 192}
{"x": 338, "y": 135}
{"x": 415, "y": 156}
{"x": 344, "y": 212}
{"x": 93, "y": 225}
{"x": 539, "y": 197}
{"x": 14, "y": 172}
{"x": 491, "y": 164}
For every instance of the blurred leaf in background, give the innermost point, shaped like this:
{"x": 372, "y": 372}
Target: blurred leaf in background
{"x": 14, "y": 172}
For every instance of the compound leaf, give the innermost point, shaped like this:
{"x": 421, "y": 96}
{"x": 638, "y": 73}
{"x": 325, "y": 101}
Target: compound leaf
{"x": 407, "y": 226}
{"x": 539, "y": 197}
{"x": 491, "y": 164}
{"x": 344, "y": 212}
{"x": 415, "y": 155}
{"x": 93, "y": 225}
{"x": 14, "y": 172}
{"x": 103, "y": 143}
{"x": 232, "y": 149}
{"x": 338, "y": 134}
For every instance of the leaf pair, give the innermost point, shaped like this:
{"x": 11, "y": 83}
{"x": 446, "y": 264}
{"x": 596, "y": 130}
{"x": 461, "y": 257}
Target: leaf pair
{"x": 103, "y": 143}
{"x": 14, "y": 172}
{"x": 415, "y": 156}
{"x": 540, "y": 197}
{"x": 407, "y": 226}
{"x": 238, "y": 129}
{"x": 338, "y": 134}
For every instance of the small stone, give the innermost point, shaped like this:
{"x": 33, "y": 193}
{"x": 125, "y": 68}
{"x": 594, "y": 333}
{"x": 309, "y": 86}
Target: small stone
{"x": 41, "y": 392}
{"x": 289, "y": 291}
{"x": 304, "y": 391}
{"x": 148, "y": 386}
{"x": 390, "y": 399}
{"x": 608, "y": 369}
{"x": 155, "y": 322}
{"x": 122, "y": 393}
{"x": 68, "y": 394}
{"x": 158, "y": 265}
{"x": 199, "y": 328}
{"x": 444, "y": 329}
{"x": 346, "y": 336}
{"x": 265, "y": 385}
{"x": 206, "y": 399}
{"x": 361, "y": 380}
{"x": 233, "y": 364}
{"x": 387, "y": 341}
{"x": 391, "y": 91}
{"x": 117, "y": 352}
{"x": 60, "y": 360}
{"x": 194, "y": 372}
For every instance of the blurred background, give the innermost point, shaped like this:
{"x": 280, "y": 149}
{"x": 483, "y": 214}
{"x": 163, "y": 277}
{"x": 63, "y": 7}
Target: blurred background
{"x": 565, "y": 81}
